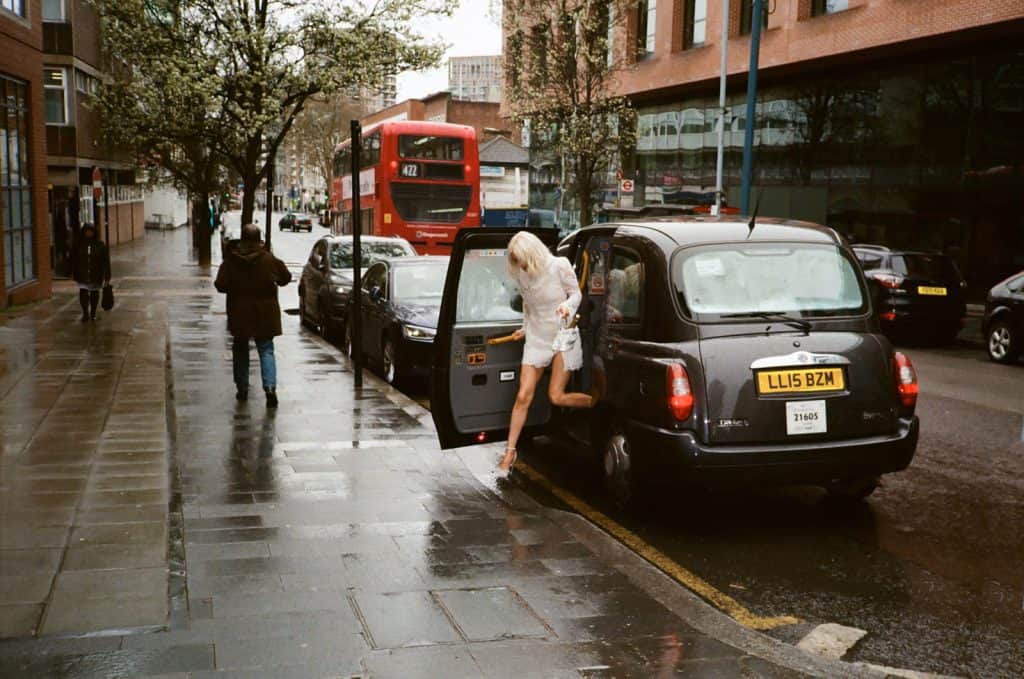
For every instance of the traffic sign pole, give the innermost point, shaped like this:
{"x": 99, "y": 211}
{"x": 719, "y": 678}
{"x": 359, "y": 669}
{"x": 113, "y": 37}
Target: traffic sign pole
{"x": 356, "y": 329}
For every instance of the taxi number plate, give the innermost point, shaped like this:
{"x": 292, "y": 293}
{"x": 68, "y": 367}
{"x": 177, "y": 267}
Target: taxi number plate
{"x": 800, "y": 380}
{"x": 805, "y": 417}
{"x": 927, "y": 290}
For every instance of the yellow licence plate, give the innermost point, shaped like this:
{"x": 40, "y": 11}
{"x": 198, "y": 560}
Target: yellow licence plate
{"x": 926, "y": 290}
{"x": 800, "y": 380}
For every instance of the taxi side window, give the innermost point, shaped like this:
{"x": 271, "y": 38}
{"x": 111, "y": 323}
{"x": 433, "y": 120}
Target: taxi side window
{"x": 625, "y": 286}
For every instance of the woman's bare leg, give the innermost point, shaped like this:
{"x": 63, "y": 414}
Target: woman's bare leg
{"x": 556, "y": 388}
{"x": 529, "y": 376}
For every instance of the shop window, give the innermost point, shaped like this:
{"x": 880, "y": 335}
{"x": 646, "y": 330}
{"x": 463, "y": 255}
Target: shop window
{"x": 55, "y": 11}
{"x": 56, "y": 92}
{"x": 14, "y": 6}
{"x": 15, "y": 189}
{"x": 695, "y": 25}
{"x": 747, "y": 16}
{"x": 821, "y": 7}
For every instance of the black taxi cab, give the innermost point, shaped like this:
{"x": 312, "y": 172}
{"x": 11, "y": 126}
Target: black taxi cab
{"x": 725, "y": 351}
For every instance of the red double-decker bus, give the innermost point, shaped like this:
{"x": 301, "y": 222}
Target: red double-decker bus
{"x": 417, "y": 180}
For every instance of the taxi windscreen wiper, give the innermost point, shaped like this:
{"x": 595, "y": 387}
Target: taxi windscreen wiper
{"x": 791, "y": 321}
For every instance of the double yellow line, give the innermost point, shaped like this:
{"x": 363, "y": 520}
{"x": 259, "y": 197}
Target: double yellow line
{"x": 688, "y": 579}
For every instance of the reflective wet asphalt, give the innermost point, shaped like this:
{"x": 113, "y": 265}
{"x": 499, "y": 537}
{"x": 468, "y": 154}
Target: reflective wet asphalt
{"x": 150, "y": 525}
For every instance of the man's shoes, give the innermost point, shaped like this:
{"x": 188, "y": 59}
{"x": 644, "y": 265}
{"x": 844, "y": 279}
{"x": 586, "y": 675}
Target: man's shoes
{"x": 92, "y": 318}
{"x": 85, "y": 318}
{"x": 242, "y": 395}
{"x": 271, "y": 398}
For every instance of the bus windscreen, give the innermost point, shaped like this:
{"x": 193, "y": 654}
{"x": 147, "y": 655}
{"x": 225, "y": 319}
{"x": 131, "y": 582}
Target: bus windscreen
{"x": 431, "y": 203}
{"x": 430, "y": 147}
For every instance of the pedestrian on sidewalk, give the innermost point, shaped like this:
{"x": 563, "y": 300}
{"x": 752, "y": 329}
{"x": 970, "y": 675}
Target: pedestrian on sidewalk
{"x": 551, "y": 296}
{"x": 250, "y": 276}
{"x": 90, "y": 267}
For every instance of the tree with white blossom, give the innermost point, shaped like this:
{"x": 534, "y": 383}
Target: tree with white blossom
{"x": 561, "y": 60}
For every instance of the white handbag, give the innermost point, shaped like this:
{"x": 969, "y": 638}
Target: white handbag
{"x": 567, "y": 342}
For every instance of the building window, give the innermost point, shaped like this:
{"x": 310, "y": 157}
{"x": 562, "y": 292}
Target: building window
{"x": 85, "y": 83}
{"x": 55, "y": 11}
{"x": 746, "y": 16}
{"x": 695, "y": 26}
{"x": 646, "y": 23}
{"x": 820, "y": 7}
{"x": 15, "y": 187}
{"x": 55, "y": 87}
{"x": 15, "y": 6}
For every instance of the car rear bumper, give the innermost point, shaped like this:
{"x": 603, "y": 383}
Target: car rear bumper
{"x": 909, "y": 310}
{"x": 660, "y": 453}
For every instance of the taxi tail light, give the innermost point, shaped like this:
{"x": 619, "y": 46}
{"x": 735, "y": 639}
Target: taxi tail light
{"x": 889, "y": 280}
{"x": 906, "y": 379}
{"x": 888, "y": 315}
{"x": 678, "y": 392}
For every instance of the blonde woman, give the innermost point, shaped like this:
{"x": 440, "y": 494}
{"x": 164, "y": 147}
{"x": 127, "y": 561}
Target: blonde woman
{"x": 550, "y": 294}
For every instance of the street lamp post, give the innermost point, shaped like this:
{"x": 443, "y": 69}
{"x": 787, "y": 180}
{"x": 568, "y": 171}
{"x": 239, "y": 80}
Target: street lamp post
{"x": 751, "y": 120}
{"x": 356, "y": 331}
{"x": 722, "y": 111}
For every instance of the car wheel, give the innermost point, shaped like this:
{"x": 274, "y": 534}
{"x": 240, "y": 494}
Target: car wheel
{"x": 618, "y": 471}
{"x": 1002, "y": 345}
{"x": 346, "y": 343}
{"x": 853, "y": 489}
{"x": 389, "y": 362}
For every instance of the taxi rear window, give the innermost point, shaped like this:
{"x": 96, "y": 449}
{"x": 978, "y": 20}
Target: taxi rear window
{"x": 802, "y": 279}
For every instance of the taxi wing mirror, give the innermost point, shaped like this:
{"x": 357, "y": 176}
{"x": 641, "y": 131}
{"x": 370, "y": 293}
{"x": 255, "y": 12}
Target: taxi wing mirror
{"x": 516, "y": 303}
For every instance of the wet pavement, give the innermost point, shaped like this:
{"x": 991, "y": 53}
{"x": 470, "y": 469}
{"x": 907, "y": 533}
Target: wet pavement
{"x": 151, "y": 525}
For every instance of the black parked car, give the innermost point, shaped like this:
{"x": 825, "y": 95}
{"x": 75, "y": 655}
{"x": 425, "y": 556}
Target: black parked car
{"x": 1004, "y": 319}
{"x": 915, "y": 293}
{"x": 727, "y": 354}
{"x": 326, "y": 279}
{"x": 401, "y": 298}
{"x": 296, "y": 222}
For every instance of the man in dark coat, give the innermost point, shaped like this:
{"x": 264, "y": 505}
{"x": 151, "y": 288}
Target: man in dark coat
{"x": 90, "y": 267}
{"x": 250, "y": 276}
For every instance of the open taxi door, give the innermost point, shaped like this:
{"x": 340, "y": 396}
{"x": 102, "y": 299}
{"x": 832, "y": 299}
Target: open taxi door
{"x": 475, "y": 374}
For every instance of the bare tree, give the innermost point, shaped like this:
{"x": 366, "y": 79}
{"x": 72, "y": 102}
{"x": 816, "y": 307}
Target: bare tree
{"x": 560, "y": 66}
{"x": 322, "y": 125}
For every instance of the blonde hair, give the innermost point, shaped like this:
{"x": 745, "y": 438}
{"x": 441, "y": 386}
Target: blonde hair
{"x": 529, "y": 251}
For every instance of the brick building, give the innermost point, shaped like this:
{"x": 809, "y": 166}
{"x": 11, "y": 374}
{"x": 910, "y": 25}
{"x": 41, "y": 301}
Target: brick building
{"x": 72, "y": 71}
{"x": 442, "y": 107}
{"x": 475, "y": 78}
{"x": 24, "y": 228}
{"x": 895, "y": 121}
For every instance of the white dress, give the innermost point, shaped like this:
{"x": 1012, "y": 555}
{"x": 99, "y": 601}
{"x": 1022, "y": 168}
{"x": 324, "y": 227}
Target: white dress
{"x": 542, "y": 295}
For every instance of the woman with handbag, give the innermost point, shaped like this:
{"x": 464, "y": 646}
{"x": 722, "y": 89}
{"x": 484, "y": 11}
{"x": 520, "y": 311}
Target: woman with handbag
{"x": 90, "y": 267}
{"x": 551, "y": 296}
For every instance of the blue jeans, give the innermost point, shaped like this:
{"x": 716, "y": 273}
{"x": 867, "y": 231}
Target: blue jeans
{"x": 240, "y": 358}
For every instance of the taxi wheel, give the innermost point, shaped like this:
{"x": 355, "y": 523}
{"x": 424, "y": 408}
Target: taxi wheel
{"x": 1002, "y": 345}
{"x": 853, "y": 489}
{"x": 618, "y": 472}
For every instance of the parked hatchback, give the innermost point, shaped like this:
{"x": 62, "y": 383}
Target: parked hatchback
{"x": 400, "y": 301}
{"x": 327, "y": 278}
{"x": 728, "y": 353}
{"x": 920, "y": 294}
{"x": 1004, "y": 319}
{"x": 296, "y": 222}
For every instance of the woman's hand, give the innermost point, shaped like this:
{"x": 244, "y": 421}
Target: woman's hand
{"x": 518, "y": 335}
{"x": 562, "y": 311}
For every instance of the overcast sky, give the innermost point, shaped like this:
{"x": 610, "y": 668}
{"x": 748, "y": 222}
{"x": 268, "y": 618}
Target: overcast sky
{"x": 468, "y": 32}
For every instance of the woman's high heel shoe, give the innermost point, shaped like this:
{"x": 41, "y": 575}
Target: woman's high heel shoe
{"x": 503, "y": 473}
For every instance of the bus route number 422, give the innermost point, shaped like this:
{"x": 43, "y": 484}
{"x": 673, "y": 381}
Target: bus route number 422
{"x": 410, "y": 170}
